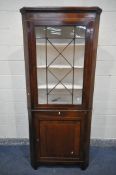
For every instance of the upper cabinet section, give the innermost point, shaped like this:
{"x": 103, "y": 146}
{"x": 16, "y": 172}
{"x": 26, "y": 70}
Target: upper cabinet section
{"x": 60, "y": 55}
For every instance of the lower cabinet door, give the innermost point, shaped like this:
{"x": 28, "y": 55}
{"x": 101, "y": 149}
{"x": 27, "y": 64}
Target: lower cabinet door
{"x": 59, "y": 139}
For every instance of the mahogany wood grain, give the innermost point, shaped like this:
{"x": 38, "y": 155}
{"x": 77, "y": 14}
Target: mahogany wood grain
{"x": 60, "y": 133}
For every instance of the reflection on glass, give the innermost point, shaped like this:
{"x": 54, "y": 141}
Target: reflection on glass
{"x": 80, "y": 32}
{"x": 60, "y": 32}
{"x": 40, "y": 32}
{"x": 60, "y": 61}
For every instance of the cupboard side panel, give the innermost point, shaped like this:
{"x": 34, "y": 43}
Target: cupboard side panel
{"x": 26, "y": 36}
{"x": 94, "y": 54}
{"x": 90, "y": 65}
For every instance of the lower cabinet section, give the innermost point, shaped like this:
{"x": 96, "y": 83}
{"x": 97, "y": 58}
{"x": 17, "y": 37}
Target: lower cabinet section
{"x": 59, "y": 139}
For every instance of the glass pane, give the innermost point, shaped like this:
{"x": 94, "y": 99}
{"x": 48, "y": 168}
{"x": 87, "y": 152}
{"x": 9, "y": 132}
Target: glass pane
{"x": 77, "y": 96}
{"x": 42, "y": 96}
{"x": 59, "y": 96}
{"x": 41, "y": 52}
{"x": 40, "y": 32}
{"x": 60, "y": 32}
{"x": 60, "y": 51}
{"x": 79, "y": 55}
{"x": 60, "y": 62}
{"x": 79, "y": 64}
{"x": 80, "y": 32}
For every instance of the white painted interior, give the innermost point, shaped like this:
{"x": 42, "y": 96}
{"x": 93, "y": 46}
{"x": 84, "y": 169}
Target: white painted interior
{"x": 13, "y": 112}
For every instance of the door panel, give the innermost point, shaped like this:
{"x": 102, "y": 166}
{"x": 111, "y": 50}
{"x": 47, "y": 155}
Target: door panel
{"x": 60, "y": 52}
{"x": 59, "y": 139}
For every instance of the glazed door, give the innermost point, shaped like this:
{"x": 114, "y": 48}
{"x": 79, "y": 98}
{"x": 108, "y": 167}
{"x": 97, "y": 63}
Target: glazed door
{"x": 61, "y": 65}
{"x": 58, "y": 139}
{"x": 60, "y": 54}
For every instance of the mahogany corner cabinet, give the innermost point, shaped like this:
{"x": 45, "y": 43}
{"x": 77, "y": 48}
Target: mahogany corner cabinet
{"x": 60, "y": 46}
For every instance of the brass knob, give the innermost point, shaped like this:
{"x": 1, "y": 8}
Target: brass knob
{"x": 72, "y": 152}
{"x": 59, "y": 113}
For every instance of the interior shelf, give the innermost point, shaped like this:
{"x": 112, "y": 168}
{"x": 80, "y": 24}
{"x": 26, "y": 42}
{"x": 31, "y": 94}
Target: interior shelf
{"x": 60, "y": 67}
{"x": 59, "y": 44}
{"x": 77, "y": 37}
{"x": 51, "y": 86}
